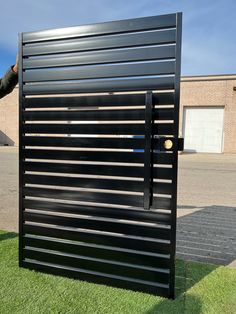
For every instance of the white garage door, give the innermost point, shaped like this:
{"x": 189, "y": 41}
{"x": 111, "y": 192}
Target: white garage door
{"x": 203, "y": 129}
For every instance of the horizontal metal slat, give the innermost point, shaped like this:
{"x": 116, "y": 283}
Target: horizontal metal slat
{"x": 81, "y": 196}
{"x": 116, "y": 281}
{"x": 96, "y": 115}
{"x": 67, "y": 128}
{"x": 90, "y": 169}
{"x": 83, "y": 142}
{"x": 100, "y": 225}
{"x": 106, "y": 156}
{"x": 121, "y": 41}
{"x": 162, "y": 188}
{"x": 162, "y": 203}
{"x": 138, "y": 24}
{"x": 124, "y": 185}
{"x": 86, "y": 236}
{"x": 162, "y": 157}
{"x": 91, "y": 128}
{"x": 101, "y": 43}
{"x": 92, "y": 264}
{"x": 120, "y": 143}
{"x": 102, "y": 85}
{"x": 102, "y": 57}
{"x": 166, "y": 98}
{"x": 101, "y": 252}
{"x": 101, "y": 71}
{"x": 84, "y": 115}
{"x": 162, "y": 173}
{"x": 108, "y": 212}
{"x": 85, "y": 196}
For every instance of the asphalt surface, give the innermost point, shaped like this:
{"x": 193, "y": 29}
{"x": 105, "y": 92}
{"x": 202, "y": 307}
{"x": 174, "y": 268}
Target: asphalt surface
{"x": 206, "y": 224}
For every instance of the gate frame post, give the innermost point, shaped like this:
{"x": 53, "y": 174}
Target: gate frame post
{"x": 175, "y": 154}
{"x": 21, "y": 197}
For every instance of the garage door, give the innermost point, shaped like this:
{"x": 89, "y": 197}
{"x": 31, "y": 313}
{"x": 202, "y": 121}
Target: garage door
{"x": 203, "y": 129}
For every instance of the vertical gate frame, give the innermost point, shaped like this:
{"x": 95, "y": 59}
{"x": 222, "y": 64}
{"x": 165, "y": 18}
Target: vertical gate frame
{"x": 176, "y": 149}
{"x": 21, "y": 108}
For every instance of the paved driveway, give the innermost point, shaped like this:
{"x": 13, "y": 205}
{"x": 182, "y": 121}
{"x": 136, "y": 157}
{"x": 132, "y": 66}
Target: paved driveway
{"x": 206, "y": 229}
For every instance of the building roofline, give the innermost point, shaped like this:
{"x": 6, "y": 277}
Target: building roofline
{"x": 216, "y": 77}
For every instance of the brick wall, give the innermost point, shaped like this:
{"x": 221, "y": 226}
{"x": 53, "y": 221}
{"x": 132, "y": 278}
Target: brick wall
{"x": 9, "y": 119}
{"x": 230, "y": 118}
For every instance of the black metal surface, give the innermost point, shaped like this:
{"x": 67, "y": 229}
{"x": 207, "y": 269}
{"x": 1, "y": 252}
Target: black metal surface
{"x": 97, "y": 185}
{"x": 148, "y": 151}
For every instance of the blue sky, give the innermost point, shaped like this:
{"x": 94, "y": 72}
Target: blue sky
{"x": 209, "y": 45}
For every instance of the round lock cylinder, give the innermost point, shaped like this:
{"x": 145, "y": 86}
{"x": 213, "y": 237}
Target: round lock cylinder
{"x": 168, "y": 144}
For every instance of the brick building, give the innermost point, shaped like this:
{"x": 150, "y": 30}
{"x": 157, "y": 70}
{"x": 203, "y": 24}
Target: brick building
{"x": 207, "y": 114}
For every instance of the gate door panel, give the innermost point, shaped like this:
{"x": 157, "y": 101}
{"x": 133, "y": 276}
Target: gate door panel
{"x": 99, "y": 108}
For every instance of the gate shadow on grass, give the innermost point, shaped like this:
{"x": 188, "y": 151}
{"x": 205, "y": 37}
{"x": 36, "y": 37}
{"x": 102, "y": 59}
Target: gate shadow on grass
{"x": 207, "y": 235}
{"x": 8, "y": 235}
{"x": 187, "y": 275}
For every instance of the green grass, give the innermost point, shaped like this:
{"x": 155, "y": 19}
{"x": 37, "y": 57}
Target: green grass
{"x": 202, "y": 288}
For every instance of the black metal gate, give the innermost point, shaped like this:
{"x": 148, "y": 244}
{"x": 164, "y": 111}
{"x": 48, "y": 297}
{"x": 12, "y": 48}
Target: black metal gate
{"x": 99, "y": 110}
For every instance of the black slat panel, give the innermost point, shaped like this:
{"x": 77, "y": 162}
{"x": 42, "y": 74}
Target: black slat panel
{"x": 162, "y": 188}
{"x": 98, "y": 101}
{"x": 101, "y": 252}
{"x": 108, "y": 212}
{"x": 96, "y": 265}
{"x": 106, "y": 170}
{"x": 121, "y": 143}
{"x": 136, "y": 157}
{"x": 96, "y": 129}
{"x": 83, "y": 115}
{"x": 106, "y": 85}
{"x": 147, "y": 23}
{"x": 97, "y": 197}
{"x": 102, "y": 57}
{"x": 121, "y": 241}
{"x": 102, "y": 71}
{"x": 99, "y": 43}
{"x": 127, "y": 171}
{"x": 72, "y": 221}
{"x": 116, "y": 281}
{"x": 163, "y": 173}
{"x": 100, "y": 225}
{"x": 124, "y": 185}
{"x": 110, "y": 198}
{"x": 162, "y": 203}
{"x": 162, "y": 157}
{"x": 90, "y": 155}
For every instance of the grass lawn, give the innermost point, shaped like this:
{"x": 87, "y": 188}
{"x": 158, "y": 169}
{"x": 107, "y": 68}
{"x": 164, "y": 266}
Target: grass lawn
{"x": 201, "y": 288}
